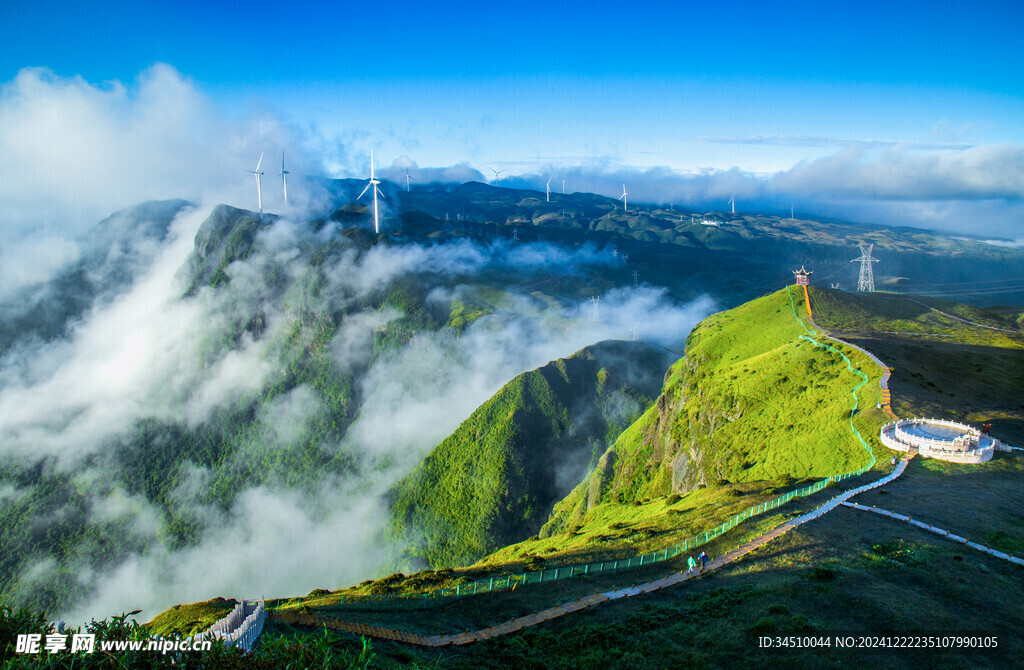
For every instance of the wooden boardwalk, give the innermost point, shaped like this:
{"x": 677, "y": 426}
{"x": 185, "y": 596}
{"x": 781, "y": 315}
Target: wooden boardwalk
{"x": 513, "y": 625}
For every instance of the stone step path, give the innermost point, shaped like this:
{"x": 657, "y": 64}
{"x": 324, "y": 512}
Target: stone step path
{"x": 513, "y": 625}
{"x": 938, "y": 531}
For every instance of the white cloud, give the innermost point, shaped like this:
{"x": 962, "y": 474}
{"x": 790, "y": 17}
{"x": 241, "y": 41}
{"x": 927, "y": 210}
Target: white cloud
{"x": 74, "y": 151}
{"x": 455, "y": 174}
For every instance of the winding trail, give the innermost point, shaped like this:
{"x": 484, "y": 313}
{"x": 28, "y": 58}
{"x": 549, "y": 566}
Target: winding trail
{"x": 938, "y": 531}
{"x": 886, "y": 370}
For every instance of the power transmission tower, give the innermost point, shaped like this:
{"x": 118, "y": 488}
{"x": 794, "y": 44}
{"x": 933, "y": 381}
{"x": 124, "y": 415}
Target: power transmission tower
{"x": 596, "y": 300}
{"x": 866, "y": 282}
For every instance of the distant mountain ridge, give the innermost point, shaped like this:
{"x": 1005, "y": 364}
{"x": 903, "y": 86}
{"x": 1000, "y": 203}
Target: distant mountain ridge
{"x": 755, "y": 251}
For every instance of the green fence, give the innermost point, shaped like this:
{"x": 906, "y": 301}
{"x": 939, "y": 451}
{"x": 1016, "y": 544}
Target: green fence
{"x": 507, "y": 582}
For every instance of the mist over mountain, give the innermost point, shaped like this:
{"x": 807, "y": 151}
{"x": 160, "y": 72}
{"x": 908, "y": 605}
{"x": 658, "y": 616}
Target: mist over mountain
{"x": 223, "y": 406}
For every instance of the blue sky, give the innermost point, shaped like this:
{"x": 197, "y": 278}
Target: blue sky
{"x": 644, "y": 83}
{"x": 535, "y": 87}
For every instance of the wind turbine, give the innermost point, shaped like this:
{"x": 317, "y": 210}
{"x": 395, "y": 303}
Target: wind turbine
{"x": 624, "y": 199}
{"x": 549, "y": 190}
{"x": 376, "y": 191}
{"x": 732, "y": 201}
{"x": 407, "y": 180}
{"x": 284, "y": 179}
{"x": 496, "y": 173}
{"x": 563, "y": 187}
{"x": 259, "y": 190}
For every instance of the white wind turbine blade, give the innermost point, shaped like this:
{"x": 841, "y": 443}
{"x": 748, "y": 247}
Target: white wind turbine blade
{"x": 364, "y": 191}
{"x": 259, "y": 162}
{"x": 371, "y": 163}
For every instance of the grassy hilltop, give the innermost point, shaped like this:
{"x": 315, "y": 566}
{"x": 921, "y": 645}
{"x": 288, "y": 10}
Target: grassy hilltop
{"x": 750, "y": 402}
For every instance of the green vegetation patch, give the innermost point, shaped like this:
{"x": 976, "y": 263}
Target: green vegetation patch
{"x": 186, "y": 620}
{"x": 495, "y": 479}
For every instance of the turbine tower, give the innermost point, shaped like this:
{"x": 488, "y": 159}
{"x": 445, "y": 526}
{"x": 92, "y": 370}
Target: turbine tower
{"x": 732, "y": 201}
{"x": 595, "y": 300}
{"x": 563, "y": 187}
{"x": 549, "y": 190}
{"x": 259, "y": 189}
{"x": 496, "y": 173}
{"x": 376, "y": 191}
{"x": 284, "y": 179}
{"x": 624, "y": 199}
{"x": 866, "y": 282}
{"x": 407, "y": 180}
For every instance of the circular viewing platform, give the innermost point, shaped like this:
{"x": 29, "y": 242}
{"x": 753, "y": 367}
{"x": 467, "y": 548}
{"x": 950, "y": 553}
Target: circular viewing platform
{"x": 938, "y": 438}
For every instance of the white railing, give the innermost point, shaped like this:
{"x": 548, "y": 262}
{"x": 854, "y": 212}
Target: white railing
{"x": 240, "y": 628}
{"x": 921, "y": 441}
{"x": 893, "y": 437}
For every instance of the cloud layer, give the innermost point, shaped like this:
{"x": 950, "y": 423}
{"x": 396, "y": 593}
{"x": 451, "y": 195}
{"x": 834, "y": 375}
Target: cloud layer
{"x": 975, "y": 190}
{"x": 75, "y": 151}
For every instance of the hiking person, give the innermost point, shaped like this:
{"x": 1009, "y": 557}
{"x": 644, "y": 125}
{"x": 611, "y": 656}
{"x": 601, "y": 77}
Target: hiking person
{"x": 692, "y": 563}
{"x": 703, "y": 558}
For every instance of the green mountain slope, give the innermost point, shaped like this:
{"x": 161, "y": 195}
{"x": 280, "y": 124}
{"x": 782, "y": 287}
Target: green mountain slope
{"x": 751, "y": 401}
{"x": 494, "y": 480}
